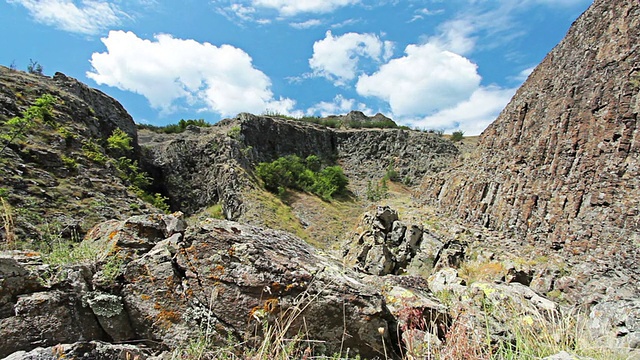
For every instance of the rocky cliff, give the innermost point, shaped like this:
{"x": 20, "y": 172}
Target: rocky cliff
{"x": 559, "y": 168}
{"x": 57, "y": 175}
{"x": 202, "y": 167}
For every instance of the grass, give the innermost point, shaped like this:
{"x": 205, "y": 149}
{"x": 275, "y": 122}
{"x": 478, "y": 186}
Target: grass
{"x": 7, "y": 223}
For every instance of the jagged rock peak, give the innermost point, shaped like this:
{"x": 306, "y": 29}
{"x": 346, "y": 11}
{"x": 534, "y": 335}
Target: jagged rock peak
{"x": 560, "y": 165}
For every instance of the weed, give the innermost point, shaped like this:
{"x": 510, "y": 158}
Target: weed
{"x": 473, "y": 271}
{"x": 34, "y": 67}
{"x": 377, "y": 192}
{"x": 216, "y": 212}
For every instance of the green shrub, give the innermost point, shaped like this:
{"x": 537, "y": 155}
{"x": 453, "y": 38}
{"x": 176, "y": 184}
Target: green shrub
{"x": 119, "y": 141}
{"x": 457, "y": 136}
{"x": 69, "y": 163}
{"x": 291, "y": 172}
{"x": 94, "y": 152}
{"x": 376, "y": 191}
{"x": 234, "y": 132}
{"x": 16, "y": 128}
{"x": 391, "y": 173}
{"x": 130, "y": 171}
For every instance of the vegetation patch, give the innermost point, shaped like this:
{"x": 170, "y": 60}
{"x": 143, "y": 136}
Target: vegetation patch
{"x": 294, "y": 173}
{"x": 181, "y": 126}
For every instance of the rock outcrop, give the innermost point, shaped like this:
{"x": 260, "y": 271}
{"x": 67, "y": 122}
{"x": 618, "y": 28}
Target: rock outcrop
{"x": 58, "y": 176}
{"x": 560, "y": 166}
{"x": 214, "y": 165}
{"x": 160, "y": 282}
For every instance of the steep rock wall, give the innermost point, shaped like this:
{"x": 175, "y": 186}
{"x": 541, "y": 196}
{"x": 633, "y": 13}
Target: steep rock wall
{"x": 560, "y": 164}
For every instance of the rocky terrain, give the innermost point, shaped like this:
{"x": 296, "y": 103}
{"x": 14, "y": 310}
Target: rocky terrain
{"x": 527, "y": 247}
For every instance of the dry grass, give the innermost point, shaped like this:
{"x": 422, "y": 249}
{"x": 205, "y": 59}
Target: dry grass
{"x": 8, "y": 225}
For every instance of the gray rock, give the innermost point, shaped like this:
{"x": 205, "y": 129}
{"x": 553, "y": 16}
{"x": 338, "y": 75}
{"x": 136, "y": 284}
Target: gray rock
{"x": 616, "y": 323}
{"x": 563, "y": 355}
{"x": 45, "y": 319}
{"x": 83, "y": 350}
{"x": 382, "y": 244}
{"x": 111, "y": 315}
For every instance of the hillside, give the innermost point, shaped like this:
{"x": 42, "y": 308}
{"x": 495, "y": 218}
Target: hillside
{"x": 58, "y": 176}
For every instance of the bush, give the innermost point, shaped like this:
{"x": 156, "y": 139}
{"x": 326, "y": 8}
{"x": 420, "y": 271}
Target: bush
{"x": 119, "y": 141}
{"x": 17, "y": 127}
{"x": 457, "y": 136}
{"x": 94, "y": 152}
{"x": 293, "y": 173}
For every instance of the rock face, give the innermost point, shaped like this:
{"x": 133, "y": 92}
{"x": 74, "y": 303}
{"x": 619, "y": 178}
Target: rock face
{"x": 560, "y": 165}
{"x": 214, "y": 165}
{"x": 50, "y": 176}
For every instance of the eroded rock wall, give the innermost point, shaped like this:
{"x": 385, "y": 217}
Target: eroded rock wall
{"x": 560, "y": 165}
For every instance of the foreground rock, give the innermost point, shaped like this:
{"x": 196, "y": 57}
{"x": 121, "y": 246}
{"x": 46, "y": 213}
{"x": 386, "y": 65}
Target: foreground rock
{"x": 168, "y": 285}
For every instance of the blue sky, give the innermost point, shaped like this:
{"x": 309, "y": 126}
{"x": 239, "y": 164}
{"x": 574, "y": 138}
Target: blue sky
{"x": 430, "y": 64}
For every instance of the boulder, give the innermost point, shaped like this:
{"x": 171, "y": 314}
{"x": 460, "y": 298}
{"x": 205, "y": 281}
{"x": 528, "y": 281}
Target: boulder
{"x": 382, "y": 244}
{"x": 233, "y": 280}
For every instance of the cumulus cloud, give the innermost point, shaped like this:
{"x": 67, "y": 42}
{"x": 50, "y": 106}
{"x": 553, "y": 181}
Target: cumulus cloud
{"x": 425, "y": 80}
{"x": 166, "y": 70}
{"x": 471, "y": 116}
{"x": 84, "y": 17}
{"x": 336, "y": 57}
{"x": 339, "y": 105}
{"x": 524, "y": 74}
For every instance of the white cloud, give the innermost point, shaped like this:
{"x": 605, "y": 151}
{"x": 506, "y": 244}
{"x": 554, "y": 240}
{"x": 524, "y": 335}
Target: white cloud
{"x": 524, "y": 74}
{"x": 471, "y": 116}
{"x": 306, "y": 24}
{"x": 348, "y": 22}
{"x": 562, "y": 3}
{"x": 336, "y": 57}
{"x": 166, "y": 70}
{"x": 295, "y": 7}
{"x": 88, "y": 17}
{"x": 425, "y": 80}
{"x": 339, "y": 105}
{"x": 455, "y": 36}
{"x": 247, "y": 9}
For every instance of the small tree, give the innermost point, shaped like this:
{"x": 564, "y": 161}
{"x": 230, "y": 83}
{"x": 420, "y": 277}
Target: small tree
{"x": 34, "y": 67}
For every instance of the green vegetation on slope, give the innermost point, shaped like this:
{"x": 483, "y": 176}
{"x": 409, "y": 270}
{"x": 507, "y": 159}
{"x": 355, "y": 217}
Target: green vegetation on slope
{"x": 181, "y": 126}
{"x": 294, "y": 173}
